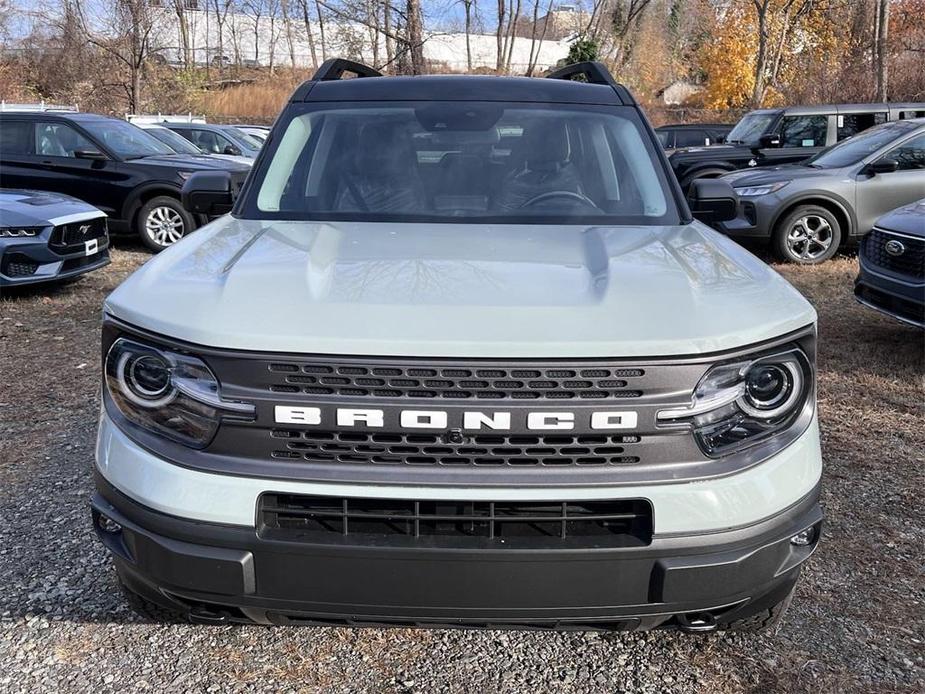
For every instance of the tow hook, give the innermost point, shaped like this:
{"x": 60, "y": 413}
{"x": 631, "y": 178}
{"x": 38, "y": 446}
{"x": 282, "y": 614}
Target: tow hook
{"x": 697, "y": 622}
{"x": 204, "y": 616}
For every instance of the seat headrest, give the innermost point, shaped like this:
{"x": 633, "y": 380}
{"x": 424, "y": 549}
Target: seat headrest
{"x": 546, "y": 144}
{"x": 384, "y": 149}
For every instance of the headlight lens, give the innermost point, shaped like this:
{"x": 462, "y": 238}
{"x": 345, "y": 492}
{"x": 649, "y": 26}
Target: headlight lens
{"x": 739, "y": 404}
{"x": 19, "y": 232}
{"x": 168, "y": 393}
{"x": 755, "y": 191}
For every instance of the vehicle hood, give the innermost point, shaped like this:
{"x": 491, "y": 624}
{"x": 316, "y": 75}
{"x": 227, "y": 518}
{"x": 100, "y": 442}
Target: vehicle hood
{"x": 37, "y": 208}
{"x": 190, "y": 162}
{"x": 460, "y": 290}
{"x": 773, "y": 174}
{"x": 909, "y": 219}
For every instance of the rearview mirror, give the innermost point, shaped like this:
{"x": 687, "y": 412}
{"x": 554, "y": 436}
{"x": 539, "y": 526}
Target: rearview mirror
{"x": 231, "y": 149}
{"x": 93, "y": 154}
{"x": 882, "y": 166}
{"x": 713, "y": 200}
{"x": 769, "y": 141}
{"x": 208, "y": 192}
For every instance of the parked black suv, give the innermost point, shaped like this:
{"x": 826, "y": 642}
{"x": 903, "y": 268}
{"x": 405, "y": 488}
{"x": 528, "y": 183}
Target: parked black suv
{"x": 692, "y": 134}
{"x": 768, "y": 137}
{"x": 111, "y": 164}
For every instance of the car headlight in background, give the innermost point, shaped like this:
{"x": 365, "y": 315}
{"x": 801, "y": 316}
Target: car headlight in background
{"x": 19, "y": 232}
{"x": 755, "y": 191}
{"x": 742, "y": 403}
{"x": 168, "y": 393}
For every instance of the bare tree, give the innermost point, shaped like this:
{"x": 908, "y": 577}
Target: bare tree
{"x": 770, "y": 51}
{"x": 468, "y": 6}
{"x": 309, "y": 32}
{"x": 221, "y": 9}
{"x": 534, "y": 48}
{"x": 179, "y": 9}
{"x": 124, "y": 30}
{"x": 414, "y": 30}
{"x": 881, "y": 56}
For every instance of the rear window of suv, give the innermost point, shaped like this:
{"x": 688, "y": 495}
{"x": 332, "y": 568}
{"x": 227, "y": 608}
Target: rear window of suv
{"x": 459, "y": 161}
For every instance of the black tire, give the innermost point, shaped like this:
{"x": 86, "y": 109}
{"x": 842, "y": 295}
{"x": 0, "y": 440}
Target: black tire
{"x": 162, "y": 221}
{"x": 770, "y": 618}
{"x": 150, "y": 611}
{"x": 808, "y": 235}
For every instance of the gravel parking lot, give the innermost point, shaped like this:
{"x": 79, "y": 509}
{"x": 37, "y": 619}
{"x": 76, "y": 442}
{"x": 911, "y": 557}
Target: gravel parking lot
{"x": 857, "y": 623}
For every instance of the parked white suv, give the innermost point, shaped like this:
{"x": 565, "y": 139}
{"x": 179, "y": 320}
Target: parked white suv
{"x": 460, "y": 355}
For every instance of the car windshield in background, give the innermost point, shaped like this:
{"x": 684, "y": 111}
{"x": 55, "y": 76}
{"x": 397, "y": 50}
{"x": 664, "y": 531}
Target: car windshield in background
{"x": 854, "y": 149}
{"x": 126, "y": 140}
{"x": 242, "y": 137}
{"x": 750, "y": 128}
{"x": 176, "y": 142}
{"x": 472, "y": 161}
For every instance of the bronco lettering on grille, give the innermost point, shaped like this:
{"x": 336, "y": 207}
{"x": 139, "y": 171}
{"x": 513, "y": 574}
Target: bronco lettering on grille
{"x": 495, "y": 420}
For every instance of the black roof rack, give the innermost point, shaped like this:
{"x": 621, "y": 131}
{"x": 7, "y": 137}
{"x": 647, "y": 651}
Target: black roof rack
{"x": 594, "y": 72}
{"x": 334, "y": 69}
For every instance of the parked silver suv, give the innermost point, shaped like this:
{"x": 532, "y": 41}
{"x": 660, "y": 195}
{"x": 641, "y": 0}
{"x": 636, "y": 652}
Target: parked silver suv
{"x": 808, "y": 210}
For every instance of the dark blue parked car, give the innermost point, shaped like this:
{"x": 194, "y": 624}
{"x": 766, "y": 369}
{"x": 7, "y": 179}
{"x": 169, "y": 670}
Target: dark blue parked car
{"x": 892, "y": 277}
{"x": 47, "y": 236}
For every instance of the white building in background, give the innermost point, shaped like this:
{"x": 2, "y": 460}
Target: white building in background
{"x": 265, "y": 41}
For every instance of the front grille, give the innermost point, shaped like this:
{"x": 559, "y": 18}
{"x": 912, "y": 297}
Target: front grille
{"x": 440, "y": 382}
{"x": 500, "y": 524}
{"x": 68, "y": 238}
{"x": 440, "y": 449}
{"x": 911, "y": 263}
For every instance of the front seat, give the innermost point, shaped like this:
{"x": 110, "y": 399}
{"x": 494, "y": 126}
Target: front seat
{"x": 383, "y": 176}
{"x": 545, "y": 165}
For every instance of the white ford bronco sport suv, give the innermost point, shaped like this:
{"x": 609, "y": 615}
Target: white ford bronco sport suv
{"x": 460, "y": 355}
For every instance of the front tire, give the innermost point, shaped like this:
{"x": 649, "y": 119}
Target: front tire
{"x": 809, "y": 235}
{"x": 769, "y": 619}
{"x": 162, "y": 222}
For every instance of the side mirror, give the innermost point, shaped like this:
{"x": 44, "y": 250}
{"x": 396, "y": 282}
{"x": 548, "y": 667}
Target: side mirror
{"x": 882, "y": 166}
{"x": 231, "y": 149}
{"x": 93, "y": 154}
{"x": 713, "y": 200}
{"x": 769, "y": 141}
{"x": 208, "y": 192}
{"x": 720, "y": 139}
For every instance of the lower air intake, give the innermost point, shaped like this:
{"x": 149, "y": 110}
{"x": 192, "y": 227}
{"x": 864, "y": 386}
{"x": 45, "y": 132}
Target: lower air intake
{"x": 501, "y": 524}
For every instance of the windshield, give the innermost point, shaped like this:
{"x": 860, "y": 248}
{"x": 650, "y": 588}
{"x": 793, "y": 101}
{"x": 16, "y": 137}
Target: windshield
{"x": 176, "y": 142}
{"x": 464, "y": 161}
{"x": 752, "y": 126}
{"x": 854, "y": 149}
{"x": 242, "y": 137}
{"x": 126, "y": 140}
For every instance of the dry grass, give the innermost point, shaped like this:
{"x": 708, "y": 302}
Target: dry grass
{"x": 255, "y": 102}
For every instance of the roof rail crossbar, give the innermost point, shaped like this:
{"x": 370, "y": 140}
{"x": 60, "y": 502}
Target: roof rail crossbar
{"x": 38, "y": 107}
{"x": 334, "y": 69}
{"x": 594, "y": 72}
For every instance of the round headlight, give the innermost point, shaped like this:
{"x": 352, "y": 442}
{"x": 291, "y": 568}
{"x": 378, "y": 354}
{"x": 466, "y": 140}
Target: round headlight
{"x": 145, "y": 378}
{"x": 770, "y": 388}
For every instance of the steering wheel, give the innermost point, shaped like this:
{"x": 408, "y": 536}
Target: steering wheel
{"x": 570, "y": 194}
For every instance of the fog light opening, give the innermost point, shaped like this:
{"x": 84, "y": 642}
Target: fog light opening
{"x": 804, "y": 537}
{"x": 108, "y": 525}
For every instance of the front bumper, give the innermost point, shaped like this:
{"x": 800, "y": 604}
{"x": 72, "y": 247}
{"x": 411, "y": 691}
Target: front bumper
{"x": 30, "y": 261}
{"x": 902, "y": 298}
{"x": 220, "y": 573}
{"x": 190, "y": 541}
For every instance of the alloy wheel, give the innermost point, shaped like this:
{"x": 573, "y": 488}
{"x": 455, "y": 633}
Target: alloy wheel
{"x": 810, "y": 237}
{"x": 164, "y": 225}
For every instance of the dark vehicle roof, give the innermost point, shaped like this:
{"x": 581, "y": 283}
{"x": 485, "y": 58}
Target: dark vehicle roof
{"x": 826, "y": 109}
{"x": 695, "y": 126}
{"x": 66, "y": 115}
{"x": 909, "y": 219}
{"x": 463, "y": 88}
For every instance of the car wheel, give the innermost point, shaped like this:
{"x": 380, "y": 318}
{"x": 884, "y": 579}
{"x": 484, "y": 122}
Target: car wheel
{"x": 162, "y": 222}
{"x": 808, "y": 235}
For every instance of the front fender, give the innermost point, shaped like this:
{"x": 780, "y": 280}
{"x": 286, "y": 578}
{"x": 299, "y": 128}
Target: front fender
{"x": 805, "y": 197}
